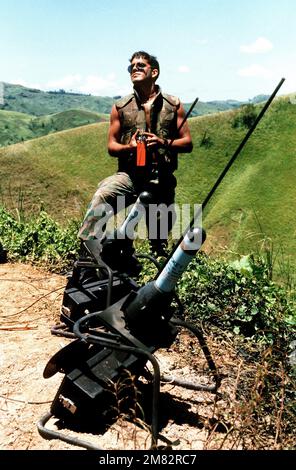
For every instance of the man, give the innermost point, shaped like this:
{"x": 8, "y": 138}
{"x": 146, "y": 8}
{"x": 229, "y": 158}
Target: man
{"x": 156, "y": 116}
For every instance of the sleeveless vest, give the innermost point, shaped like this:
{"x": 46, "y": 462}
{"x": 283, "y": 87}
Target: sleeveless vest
{"x": 163, "y": 123}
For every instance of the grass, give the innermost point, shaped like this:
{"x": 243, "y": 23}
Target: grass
{"x": 17, "y": 127}
{"x": 14, "y": 127}
{"x": 254, "y": 202}
{"x": 59, "y": 172}
{"x": 38, "y": 103}
{"x": 259, "y": 186}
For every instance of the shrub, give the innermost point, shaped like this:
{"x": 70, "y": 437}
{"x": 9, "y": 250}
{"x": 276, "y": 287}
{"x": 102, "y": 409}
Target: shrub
{"x": 246, "y": 117}
{"x": 240, "y": 297}
{"x": 38, "y": 239}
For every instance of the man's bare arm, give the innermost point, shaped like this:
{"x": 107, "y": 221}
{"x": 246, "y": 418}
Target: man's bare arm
{"x": 115, "y": 148}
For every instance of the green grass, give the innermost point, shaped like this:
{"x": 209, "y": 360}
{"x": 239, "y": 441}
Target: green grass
{"x": 59, "y": 171}
{"x": 17, "y": 127}
{"x": 256, "y": 199}
{"x": 14, "y": 127}
{"x": 38, "y": 102}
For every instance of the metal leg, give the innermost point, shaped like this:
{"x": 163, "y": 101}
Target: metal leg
{"x": 50, "y": 434}
{"x": 189, "y": 385}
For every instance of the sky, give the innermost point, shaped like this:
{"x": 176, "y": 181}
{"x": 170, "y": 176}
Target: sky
{"x": 211, "y": 49}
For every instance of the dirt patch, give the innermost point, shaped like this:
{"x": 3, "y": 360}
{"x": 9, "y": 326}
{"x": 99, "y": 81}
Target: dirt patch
{"x": 30, "y": 299}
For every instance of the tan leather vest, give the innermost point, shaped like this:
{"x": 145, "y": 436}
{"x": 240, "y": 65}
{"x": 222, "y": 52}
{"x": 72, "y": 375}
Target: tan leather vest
{"x": 163, "y": 123}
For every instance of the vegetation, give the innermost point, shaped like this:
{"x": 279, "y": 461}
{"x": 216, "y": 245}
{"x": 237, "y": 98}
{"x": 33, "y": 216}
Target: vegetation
{"x": 38, "y": 103}
{"x": 18, "y": 127}
{"x": 253, "y": 204}
{"x": 238, "y": 296}
{"x": 39, "y": 240}
{"x": 249, "y": 322}
{"x": 249, "y": 318}
{"x": 59, "y": 172}
{"x": 250, "y": 325}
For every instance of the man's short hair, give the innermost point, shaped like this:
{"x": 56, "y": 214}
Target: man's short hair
{"x": 151, "y": 59}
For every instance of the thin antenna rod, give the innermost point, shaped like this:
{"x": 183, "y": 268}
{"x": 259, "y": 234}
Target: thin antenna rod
{"x": 226, "y": 169}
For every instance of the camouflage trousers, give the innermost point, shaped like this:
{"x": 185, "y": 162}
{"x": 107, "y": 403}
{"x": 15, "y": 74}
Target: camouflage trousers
{"x": 120, "y": 184}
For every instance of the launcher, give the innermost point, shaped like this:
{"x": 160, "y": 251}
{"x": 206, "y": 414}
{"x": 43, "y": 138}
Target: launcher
{"x": 116, "y": 326}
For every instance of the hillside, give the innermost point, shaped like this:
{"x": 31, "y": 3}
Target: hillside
{"x": 211, "y": 107}
{"x": 256, "y": 199}
{"x": 38, "y": 102}
{"x": 14, "y": 127}
{"x": 27, "y": 113}
{"x": 17, "y": 127}
{"x": 59, "y": 170}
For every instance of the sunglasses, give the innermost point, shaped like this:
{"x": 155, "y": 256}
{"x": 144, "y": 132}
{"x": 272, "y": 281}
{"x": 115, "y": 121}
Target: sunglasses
{"x": 139, "y": 65}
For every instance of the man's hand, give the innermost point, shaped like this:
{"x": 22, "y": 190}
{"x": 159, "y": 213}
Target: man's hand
{"x": 152, "y": 140}
{"x": 133, "y": 141}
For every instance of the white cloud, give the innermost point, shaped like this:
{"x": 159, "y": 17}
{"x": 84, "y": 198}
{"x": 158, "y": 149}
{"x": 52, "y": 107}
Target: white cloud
{"x": 93, "y": 84}
{"x": 90, "y": 84}
{"x": 261, "y": 45}
{"x": 255, "y": 70}
{"x": 70, "y": 81}
{"x": 21, "y": 81}
{"x": 183, "y": 69}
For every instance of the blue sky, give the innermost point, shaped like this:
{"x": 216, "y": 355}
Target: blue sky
{"x": 213, "y": 49}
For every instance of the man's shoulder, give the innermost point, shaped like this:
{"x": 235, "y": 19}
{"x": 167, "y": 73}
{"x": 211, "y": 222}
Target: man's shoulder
{"x": 172, "y": 100}
{"x": 121, "y": 102}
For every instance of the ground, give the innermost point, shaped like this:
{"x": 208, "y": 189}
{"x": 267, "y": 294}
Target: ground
{"x": 30, "y": 299}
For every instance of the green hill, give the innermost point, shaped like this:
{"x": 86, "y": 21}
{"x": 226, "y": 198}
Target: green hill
{"x": 38, "y": 102}
{"x": 14, "y": 127}
{"x": 60, "y": 170}
{"x": 27, "y": 113}
{"x": 17, "y": 127}
{"x": 211, "y": 107}
{"x": 256, "y": 199}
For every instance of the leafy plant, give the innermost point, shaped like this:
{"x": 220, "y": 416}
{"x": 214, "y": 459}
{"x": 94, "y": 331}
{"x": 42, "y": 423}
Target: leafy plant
{"x": 38, "y": 240}
{"x": 240, "y": 297}
{"x": 246, "y": 117}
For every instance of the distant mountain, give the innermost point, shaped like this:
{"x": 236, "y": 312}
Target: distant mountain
{"x": 38, "y": 103}
{"x": 28, "y": 113}
{"x": 210, "y": 107}
{"x": 259, "y": 99}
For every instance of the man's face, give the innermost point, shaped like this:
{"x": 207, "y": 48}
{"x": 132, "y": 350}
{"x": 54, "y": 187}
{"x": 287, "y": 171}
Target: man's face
{"x": 141, "y": 71}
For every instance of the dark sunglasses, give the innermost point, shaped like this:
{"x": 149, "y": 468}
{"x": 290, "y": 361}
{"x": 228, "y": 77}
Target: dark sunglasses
{"x": 139, "y": 65}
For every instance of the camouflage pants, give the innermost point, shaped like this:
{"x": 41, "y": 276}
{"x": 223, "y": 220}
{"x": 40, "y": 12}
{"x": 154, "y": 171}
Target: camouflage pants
{"x": 121, "y": 184}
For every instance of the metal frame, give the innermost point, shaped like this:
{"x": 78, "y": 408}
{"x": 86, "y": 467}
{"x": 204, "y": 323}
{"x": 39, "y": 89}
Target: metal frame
{"x": 116, "y": 344}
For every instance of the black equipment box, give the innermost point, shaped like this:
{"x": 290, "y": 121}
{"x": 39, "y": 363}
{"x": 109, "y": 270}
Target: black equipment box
{"x": 92, "y": 388}
{"x": 79, "y": 300}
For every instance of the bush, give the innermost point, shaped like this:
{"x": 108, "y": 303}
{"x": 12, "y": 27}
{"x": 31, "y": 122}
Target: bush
{"x": 38, "y": 240}
{"x": 239, "y": 297}
{"x": 246, "y": 117}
